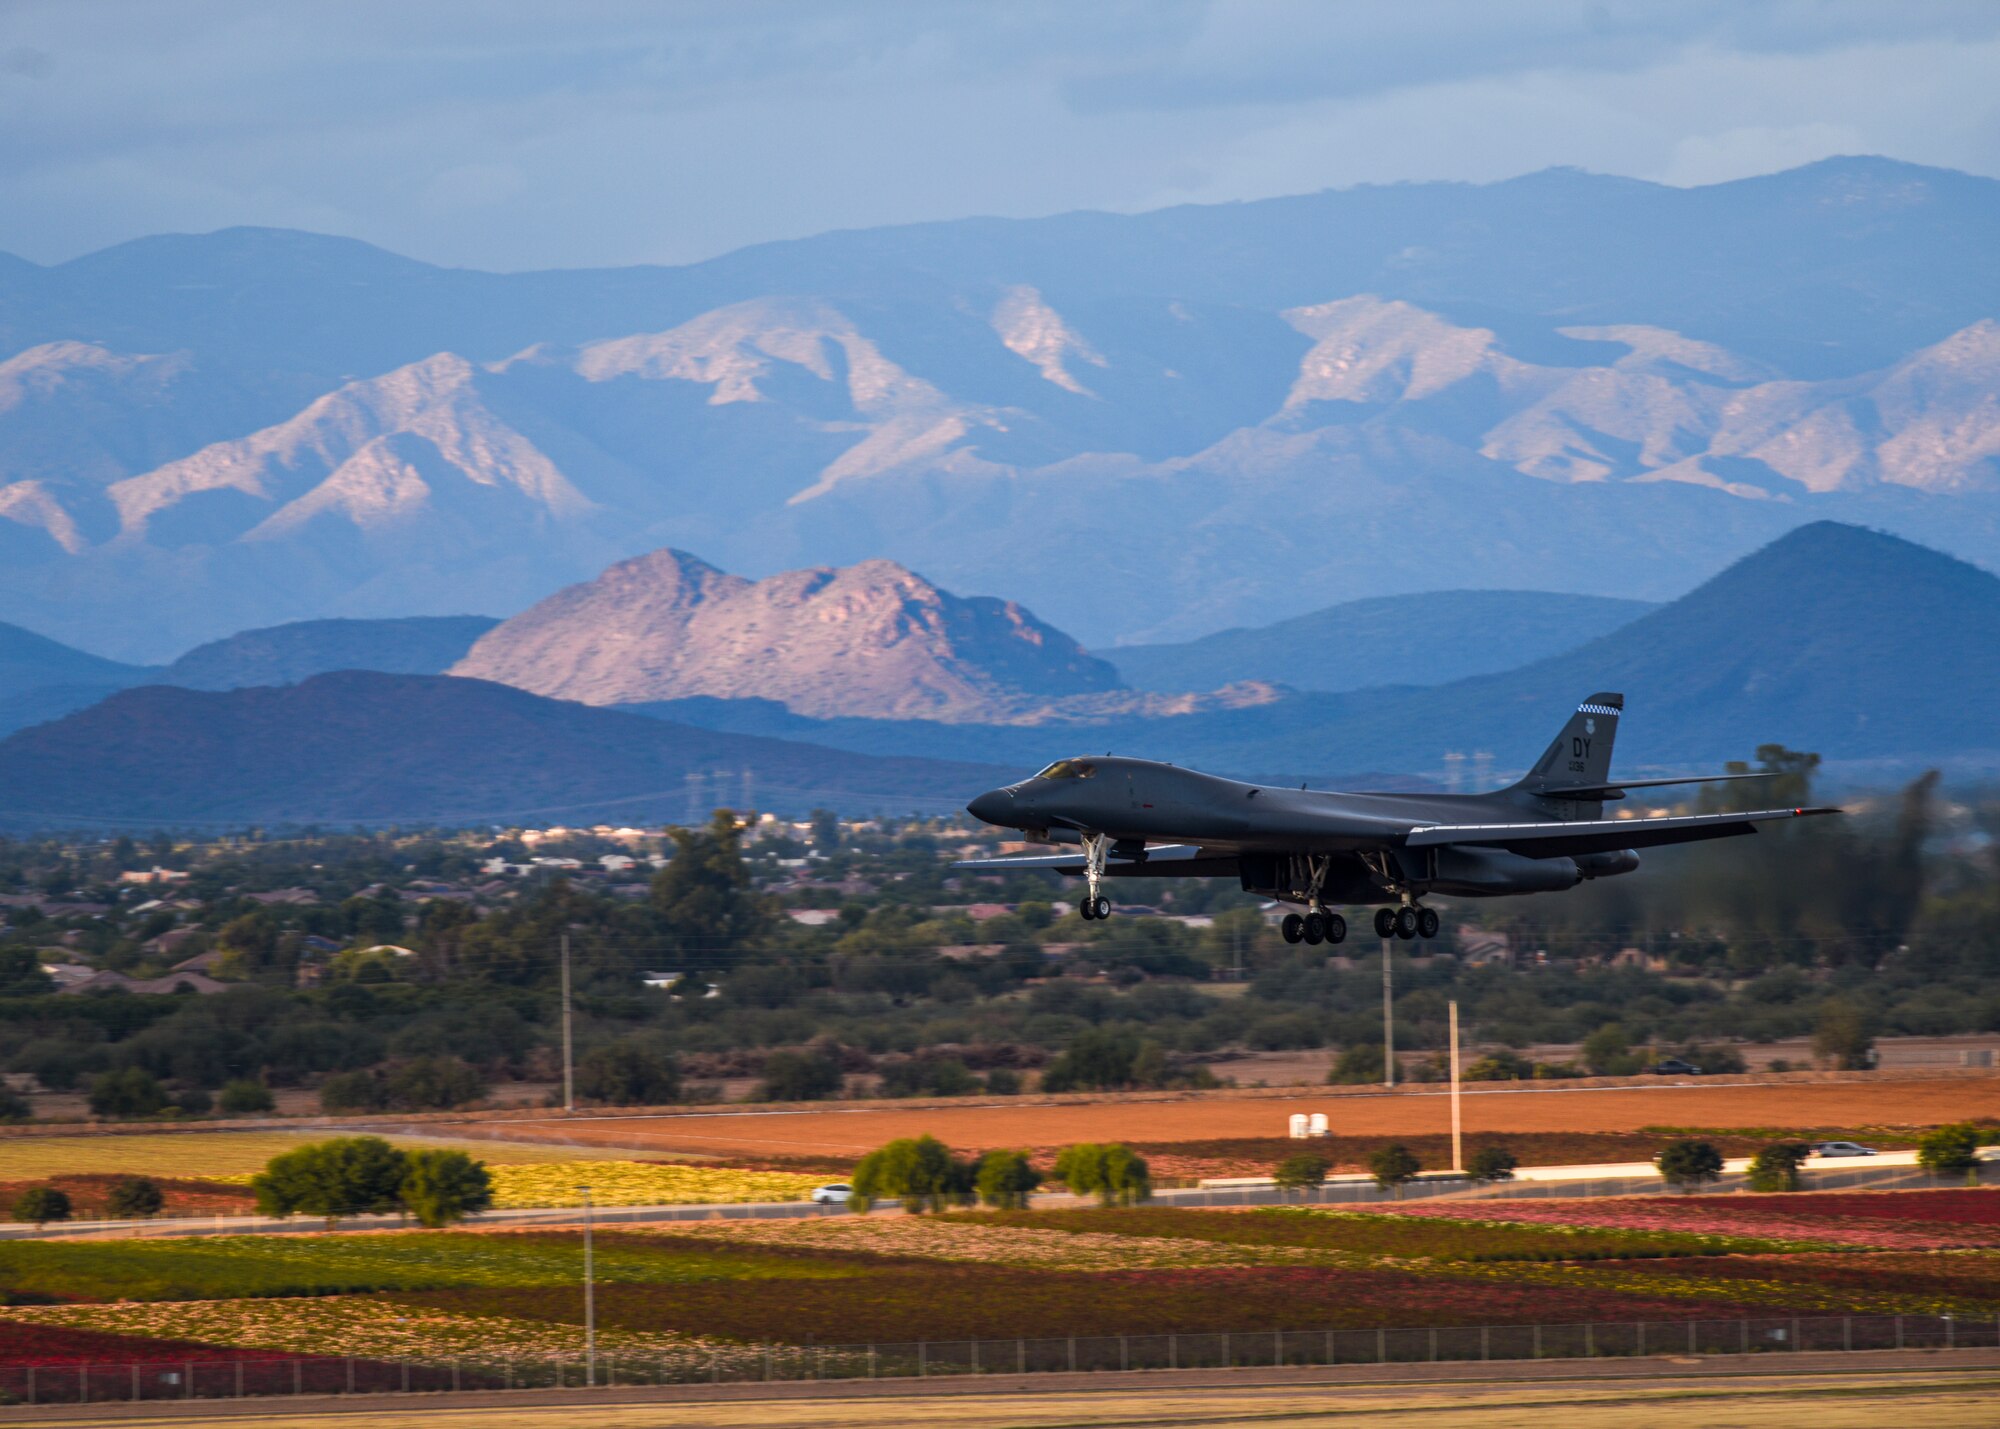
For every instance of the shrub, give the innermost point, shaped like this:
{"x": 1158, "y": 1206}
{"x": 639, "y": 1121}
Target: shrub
{"x": 633, "y": 1071}
{"x": 1500, "y": 1066}
{"x": 41, "y": 1204}
{"x": 133, "y": 1198}
{"x": 928, "y": 1076}
{"x": 1005, "y": 1179}
{"x": 433, "y": 1084}
{"x": 1393, "y": 1166}
{"x": 1003, "y": 1082}
{"x": 13, "y": 1106}
{"x": 1688, "y": 1165}
{"x": 131, "y": 1091}
{"x": 920, "y": 1170}
{"x": 348, "y": 1176}
{"x": 1950, "y": 1150}
{"x": 799, "y": 1077}
{"x": 1099, "y": 1060}
{"x": 1843, "y": 1037}
{"x": 352, "y": 1091}
{"x": 246, "y": 1097}
{"x": 440, "y": 1187}
{"x": 1301, "y": 1171}
{"x": 1608, "y": 1052}
{"x": 1492, "y": 1163}
{"x": 195, "y": 1102}
{"x": 1776, "y": 1167}
{"x": 1113, "y": 1172}
{"x": 1359, "y": 1063}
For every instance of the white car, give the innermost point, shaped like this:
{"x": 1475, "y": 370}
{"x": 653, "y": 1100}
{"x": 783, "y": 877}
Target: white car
{"x": 838, "y": 1194}
{"x": 1843, "y": 1148}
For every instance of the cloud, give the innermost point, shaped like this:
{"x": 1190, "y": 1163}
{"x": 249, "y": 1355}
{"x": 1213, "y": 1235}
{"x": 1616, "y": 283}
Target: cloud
{"x": 508, "y": 134}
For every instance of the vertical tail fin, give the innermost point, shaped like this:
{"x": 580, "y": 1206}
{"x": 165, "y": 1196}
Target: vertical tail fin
{"x": 1581, "y": 754}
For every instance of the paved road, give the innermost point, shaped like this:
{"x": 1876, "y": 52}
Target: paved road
{"x": 1863, "y": 1388}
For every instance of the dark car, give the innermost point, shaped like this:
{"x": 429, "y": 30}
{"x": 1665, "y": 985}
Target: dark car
{"x": 1674, "y": 1067}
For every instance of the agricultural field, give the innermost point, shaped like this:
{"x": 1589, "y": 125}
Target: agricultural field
{"x": 209, "y": 1173}
{"x": 854, "y": 1129}
{"x": 492, "y": 1297}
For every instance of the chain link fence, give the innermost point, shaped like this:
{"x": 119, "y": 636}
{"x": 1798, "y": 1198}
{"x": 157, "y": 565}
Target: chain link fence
{"x": 940, "y": 1359}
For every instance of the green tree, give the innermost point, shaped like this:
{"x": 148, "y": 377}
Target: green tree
{"x": 1005, "y": 1179}
{"x": 633, "y": 1071}
{"x": 1095, "y": 1060}
{"x": 432, "y": 1084}
{"x": 1301, "y": 1171}
{"x": 1359, "y": 1063}
{"x": 1689, "y": 1165}
{"x": 441, "y": 1187}
{"x": 1112, "y": 1171}
{"x": 347, "y": 1176}
{"x": 21, "y": 973}
{"x": 247, "y": 1096}
{"x": 1608, "y": 1052}
{"x": 704, "y": 895}
{"x": 1776, "y": 1167}
{"x": 1394, "y": 1166}
{"x": 799, "y": 1077}
{"x": 1003, "y": 1082}
{"x": 1492, "y": 1163}
{"x": 1950, "y": 1150}
{"x": 42, "y": 1204}
{"x": 352, "y": 1091}
{"x": 919, "y": 1170}
{"x": 134, "y": 1198}
{"x": 13, "y": 1106}
{"x": 1843, "y": 1037}
{"x": 128, "y": 1092}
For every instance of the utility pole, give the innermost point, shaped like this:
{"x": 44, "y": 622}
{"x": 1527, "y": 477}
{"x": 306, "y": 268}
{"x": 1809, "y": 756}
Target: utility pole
{"x": 1457, "y": 1145}
{"x": 569, "y": 1067}
{"x": 1388, "y": 1019}
{"x": 589, "y": 1295}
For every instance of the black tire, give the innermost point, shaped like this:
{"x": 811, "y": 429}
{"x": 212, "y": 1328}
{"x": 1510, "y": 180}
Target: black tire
{"x": 1293, "y": 928}
{"x": 1385, "y": 922}
{"x": 1103, "y": 907}
{"x": 1336, "y": 928}
{"x": 1315, "y": 929}
{"x": 1087, "y": 908}
{"x": 1427, "y": 923}
{"x": 1406, "y": 923}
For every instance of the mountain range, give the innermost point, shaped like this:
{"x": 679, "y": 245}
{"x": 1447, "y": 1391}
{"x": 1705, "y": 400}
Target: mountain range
{"x": 1146, "y": 428}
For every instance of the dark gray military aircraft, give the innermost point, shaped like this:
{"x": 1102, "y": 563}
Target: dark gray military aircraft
{"x": 1134, "y": 818}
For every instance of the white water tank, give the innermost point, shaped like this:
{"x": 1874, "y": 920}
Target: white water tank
{"x": 1299, "y": 1126}
{"x": 1317, "y": 1126}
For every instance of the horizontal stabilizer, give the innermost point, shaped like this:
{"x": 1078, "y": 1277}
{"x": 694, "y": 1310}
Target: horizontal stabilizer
{"x": 1573, "y": 836}
{"x": 1619, "y": 786}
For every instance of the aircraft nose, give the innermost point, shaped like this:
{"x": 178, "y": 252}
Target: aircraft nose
{"x": 992, "y": 807}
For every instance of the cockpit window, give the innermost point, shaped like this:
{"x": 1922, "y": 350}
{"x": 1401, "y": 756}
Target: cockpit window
{"x": 1068, "y": 769}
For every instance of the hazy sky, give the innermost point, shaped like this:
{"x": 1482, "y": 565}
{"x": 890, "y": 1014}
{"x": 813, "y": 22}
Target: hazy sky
{"x": 580, "y": 132}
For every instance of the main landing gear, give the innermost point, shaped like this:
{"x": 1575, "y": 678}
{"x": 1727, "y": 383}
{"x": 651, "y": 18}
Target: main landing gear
{"x": 1094, "y": 905}
{"x": 1409, "y": 921}
{"x": 1315, "y": 927}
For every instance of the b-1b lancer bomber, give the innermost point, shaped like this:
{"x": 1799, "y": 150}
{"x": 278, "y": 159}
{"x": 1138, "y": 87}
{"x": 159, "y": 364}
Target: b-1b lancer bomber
{"x": 1135, "y": 818}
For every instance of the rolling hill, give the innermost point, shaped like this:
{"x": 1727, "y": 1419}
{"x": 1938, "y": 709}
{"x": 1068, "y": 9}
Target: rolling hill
{"x": 286, "y": 654}
{"x": 1429, "y": 638}
{"x": 366, "y": 748}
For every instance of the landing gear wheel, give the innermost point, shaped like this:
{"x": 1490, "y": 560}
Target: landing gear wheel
{"x": 1293, "y": 928}
{"x": 1315, "y": 929}
{"x": 1385, "y": 922}
{"x": 1406, "y": 923}
{"x": 1103, "y": 908}
{"x": 1087, "y": 907}
{"x": 1336, "y": 928}
{"x": 1427, "y": 923}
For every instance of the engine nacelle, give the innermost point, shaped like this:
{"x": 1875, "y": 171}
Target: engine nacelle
{"x": 1607, "y": 865}
{"x": 1487, "y": 872}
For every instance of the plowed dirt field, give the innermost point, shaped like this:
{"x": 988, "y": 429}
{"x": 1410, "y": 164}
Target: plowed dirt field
{"x": 854, "y": 1128}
